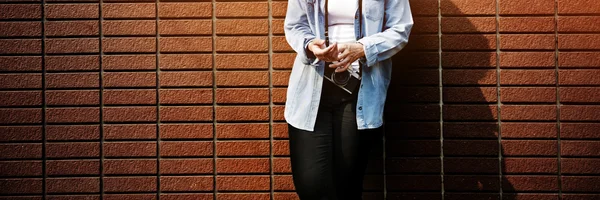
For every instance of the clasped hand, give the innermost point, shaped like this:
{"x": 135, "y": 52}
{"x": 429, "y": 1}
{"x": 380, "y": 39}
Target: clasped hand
{"x": 341, "y": 55}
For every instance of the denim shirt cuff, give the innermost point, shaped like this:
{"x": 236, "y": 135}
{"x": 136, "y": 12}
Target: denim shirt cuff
{"x": 371, "y": 52}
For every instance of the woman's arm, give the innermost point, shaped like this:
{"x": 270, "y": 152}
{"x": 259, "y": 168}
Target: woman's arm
{"x": 383, "y": 45}
{"x": 297, "y": 30}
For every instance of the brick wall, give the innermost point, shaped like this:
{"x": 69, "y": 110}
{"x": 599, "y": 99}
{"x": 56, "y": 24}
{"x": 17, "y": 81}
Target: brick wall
{"x": 118, "y": 99}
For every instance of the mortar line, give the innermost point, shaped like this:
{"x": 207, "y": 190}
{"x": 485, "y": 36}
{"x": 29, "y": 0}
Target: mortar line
{"x": 498, "y": 102}
{"x": 44, "y": 138}
{"x": 441, "y": 99}
{"x": 270, "y": 36}
{"x": 214, "y": 95}
{"x": 101, "y": 97}
{"x": 558, "y": 126}
{"x": 157, "y": 82}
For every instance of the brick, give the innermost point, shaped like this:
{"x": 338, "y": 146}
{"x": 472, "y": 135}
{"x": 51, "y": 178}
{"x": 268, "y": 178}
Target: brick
{"x": 580, "y": 130}
{"x": 186, "y": 166}
{"x": 578, "y": 7}
{"x": 529, "y": 166}
{"x": 21, "y": 63}
{"x": 21, "y": 11}
{"x": 418, "y": 43}
{"x": 529, "y": 148}
{"x": 277, "y": 113}
{"x": 527, "y": 59}
{"x": 122, "y": 166}
{"x": 73, "y": 150}
{"x": 278, "y": 8}
{"x": 129, "y": 45}
{"x": 185, "y": 96}
{"x": 471, "y": 183}
{"x": 430, "y": 25}
{"x": 415, "y": 112}
{"x": 466, "y": 94}
{"x": 283, "y": 182}
{"x": 242, "y": 27}
{"x": 128, "y": 10}
{"x": 243, "y": 165}
{"x": 282, "y": 165}
{"x": 528, "y": 95}
{"x": 578, "y": 24}
{"x": 463, "y": 129}
{"x": 243, "y": 183}
{"x": 185, "y": 44}
{"x": 185, "y": 61}
{"x": 129, "y": 149}
{"x": 469, "y": 77}
{"x": 21, "y": 186}
{"x": 234, "y": 196}
{"x": 72, "y": 97}
{"x": 281, "y": 148}
{"x": 129, "y": 131}
{"x": 529, "y": 112}
{"x": 277, "y": 26}
{"x": 468, "y": 60}
{"x": 243, "y": 148}
{"x": 185, "y": 10}
{"x": 185, "y": 27}
{"x": 20, "y": 29}
{"x": 130, "y": 114}
{"x": 470, "y": 112}
{"x": 579, "y": 59}
{"x": 242, "y": 44}
{"x": 72, "y": 63}
{"x": 175, "y": 196}
{"x": 425, "y": 77}
{"x": 471, "y": 147}
{"x": 285, "y": 195}
{"x": 242, "y": 9}
{"x": 426, "y": 7}
{"x": 72, "y": 167}
{"x": 280, "y": 78}
{"x": 186, "y": 113}
{"x": 20, "y": 151}
{"x": 579, "y": 166}
{"x": 242, "y": 61}
{"x": 20, "y": 46}
{"x": 579, "y": 113}
{"x": 242, "y": 113}
{"x": 129, "y": 79}
{"x": 72, "y": 11}
{"x": 186, "y": 79}
{"x": 186, "y": 183}
{"x": 20, "y": 133}
{"x": 123, "y": 97}
{"x": 457, "y": 166}
{"x": 530, "y": 183}
{"x": 129, "y": 62}
{"x": 415, "y": 165}
{"x": 578, "y": 77}
{"x": 414, "y": 182}
{"x": 526, "y": 24}
{"x": 242, "y": 78}
{"x": 76, "y": 185}
{"x": 278, "y": 95}
{"x": 283, "y": 60}
{"x": 22, "y": 115}
{"x": 529, "y": 130}
{"x": 186, "y": 149}
{"x": 579, "y": 94}
{"x": 468, "y": 25}
{"x": 535, "y": 7}
{"x": 579, "y": 41}
{"x": 186, "y": 131}
{"x": 129, "y": 196}
{"x": 128, "y": 27}
{"x": 70, "y": 115}
{"x": 239, "y": 95}
{"x": 579, "y": 148}
{"x": 72, "y": 80}
{"x": 20, "y": 98}
{"x": 71, "y": 28}
{"x": 21, "y": 168}
{"x": 527, "y": 77}
{"x": 467, "y": 7}
{"x": 580, "y": 184}
{"x": 242, "y": 131}
{"x": 579, "y": 196}
{"x": 527, "y": 41}
{"x": 130, "y": 184}
{"x": 73, "y": 132}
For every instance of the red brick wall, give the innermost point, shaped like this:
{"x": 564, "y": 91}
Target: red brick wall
{"x": 492, "y": 99}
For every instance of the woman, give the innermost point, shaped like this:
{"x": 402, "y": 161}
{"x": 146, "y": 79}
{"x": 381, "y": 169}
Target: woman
{"x": 331, "y": 131}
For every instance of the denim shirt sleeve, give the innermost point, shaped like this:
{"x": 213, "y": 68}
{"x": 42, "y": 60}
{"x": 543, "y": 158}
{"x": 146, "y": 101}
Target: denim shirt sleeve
{"x": 297, "y": 30}
{"x": 397, "y": 27}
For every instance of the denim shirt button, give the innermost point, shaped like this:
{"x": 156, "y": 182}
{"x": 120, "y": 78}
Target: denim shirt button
{"x": 360, "y": 108}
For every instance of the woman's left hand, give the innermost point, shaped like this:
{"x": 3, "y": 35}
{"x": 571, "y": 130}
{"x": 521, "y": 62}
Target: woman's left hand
{"x": 350, "y": 53}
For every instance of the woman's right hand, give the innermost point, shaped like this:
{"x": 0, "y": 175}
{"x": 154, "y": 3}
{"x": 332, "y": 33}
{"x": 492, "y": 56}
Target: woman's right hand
{"x": 327, "y": 54}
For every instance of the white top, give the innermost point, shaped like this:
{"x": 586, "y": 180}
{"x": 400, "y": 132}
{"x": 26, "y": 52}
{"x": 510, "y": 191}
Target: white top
{"x": 341, "y": 23}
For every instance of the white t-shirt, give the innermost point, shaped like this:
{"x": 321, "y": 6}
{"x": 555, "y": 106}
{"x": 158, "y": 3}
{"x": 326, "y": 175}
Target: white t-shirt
{"x": 341, "y": 23}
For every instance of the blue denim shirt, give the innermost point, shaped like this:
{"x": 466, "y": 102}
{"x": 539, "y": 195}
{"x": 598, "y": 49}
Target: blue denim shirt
{"x": 386, "y": 26}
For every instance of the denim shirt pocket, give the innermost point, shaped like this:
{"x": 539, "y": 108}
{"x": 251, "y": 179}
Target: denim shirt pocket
{"x": 374, "y": 9}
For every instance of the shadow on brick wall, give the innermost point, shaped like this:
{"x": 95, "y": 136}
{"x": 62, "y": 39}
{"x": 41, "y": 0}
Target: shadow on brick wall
{"x": 441, "y": 124}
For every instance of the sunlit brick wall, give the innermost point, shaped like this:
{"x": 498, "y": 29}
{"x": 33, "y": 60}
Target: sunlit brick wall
{"x": 139, "y": 99}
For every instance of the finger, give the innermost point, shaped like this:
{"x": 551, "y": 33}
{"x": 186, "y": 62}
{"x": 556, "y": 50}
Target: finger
{"x": 341, "y": 69}
{"x": 344, "y": 54}
{"x": 338, "y": 64}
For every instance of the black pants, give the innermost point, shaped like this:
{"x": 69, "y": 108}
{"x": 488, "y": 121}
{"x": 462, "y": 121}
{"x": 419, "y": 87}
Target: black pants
{"x": 329, "y": 163}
